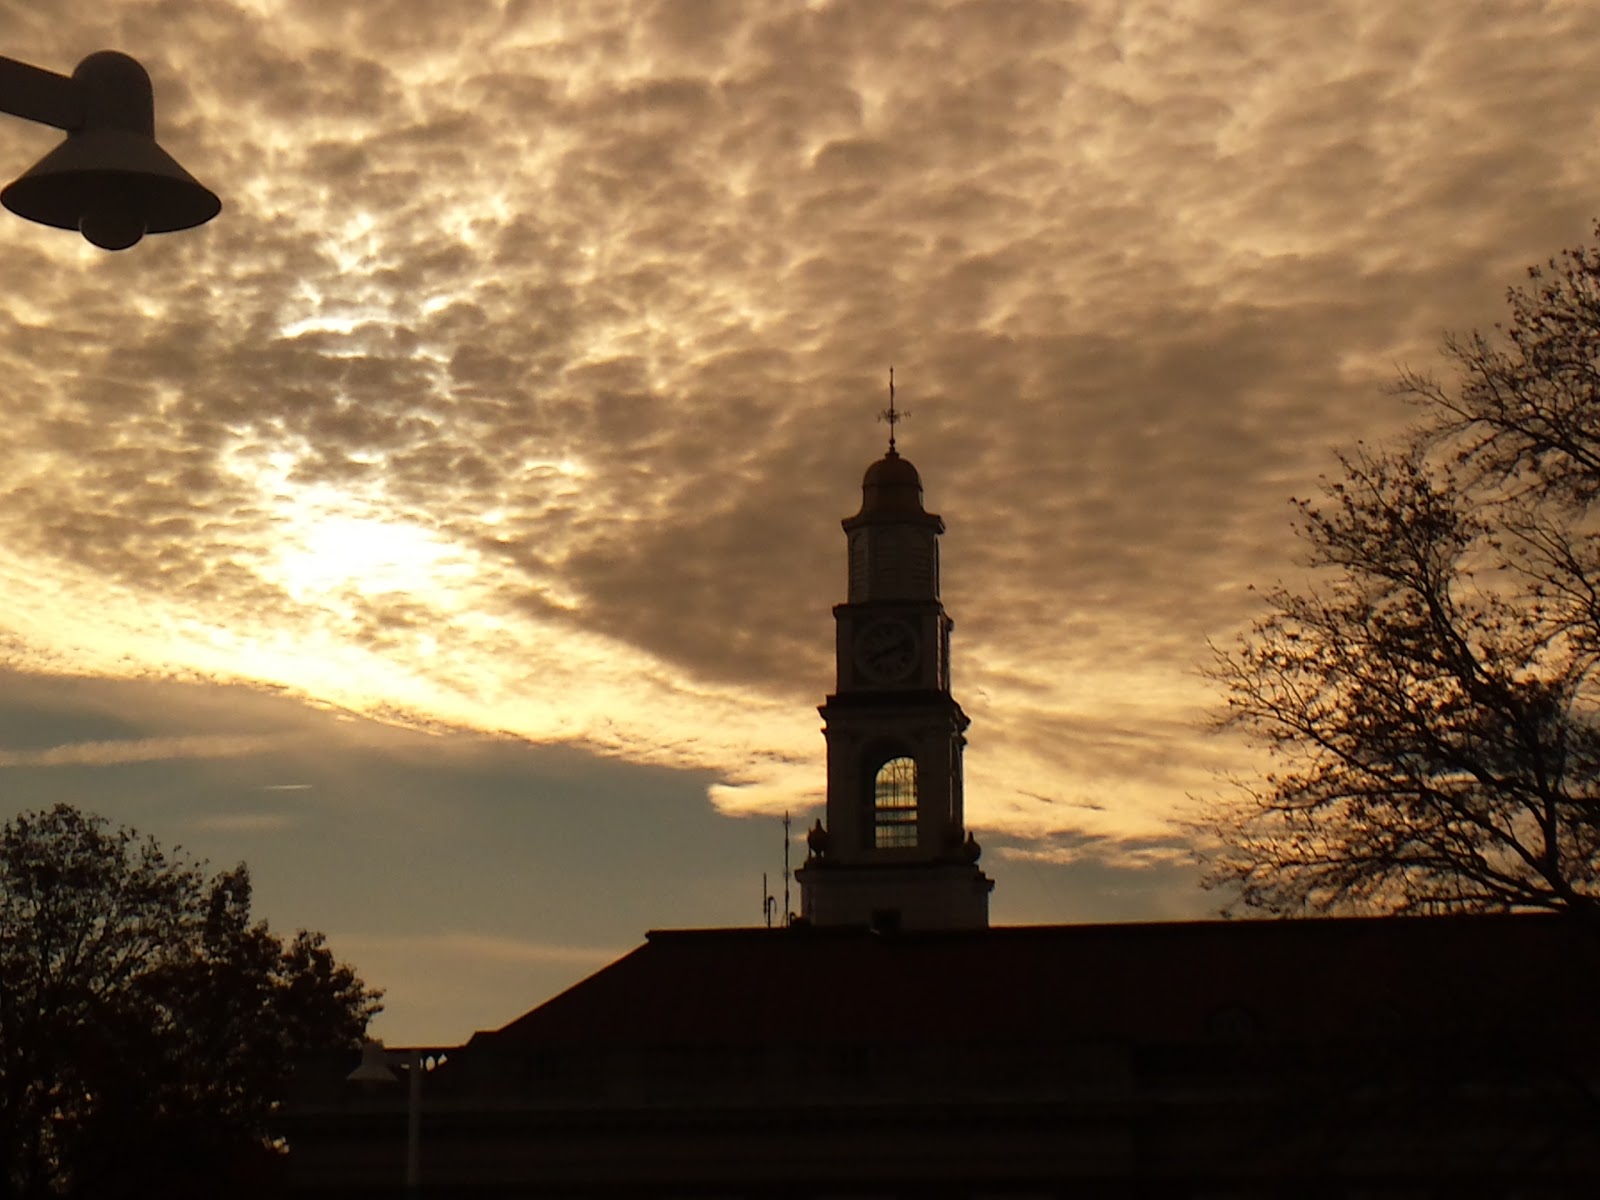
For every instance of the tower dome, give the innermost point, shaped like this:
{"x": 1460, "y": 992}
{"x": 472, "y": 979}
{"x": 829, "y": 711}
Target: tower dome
{"x": 891, "y": 486}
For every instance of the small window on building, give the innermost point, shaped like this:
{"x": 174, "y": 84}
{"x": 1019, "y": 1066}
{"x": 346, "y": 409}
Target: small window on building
{"x": 1232, "y": 1023}
{"x": 894, "y": 804}
{"x": 885, "y": 920}
{"x": 860, "y": 564}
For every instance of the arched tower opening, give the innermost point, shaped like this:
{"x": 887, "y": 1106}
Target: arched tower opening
{"x": 894, "y": 804}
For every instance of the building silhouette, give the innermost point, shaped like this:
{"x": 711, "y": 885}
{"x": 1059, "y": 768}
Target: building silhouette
{"x": 890, "y": 1043}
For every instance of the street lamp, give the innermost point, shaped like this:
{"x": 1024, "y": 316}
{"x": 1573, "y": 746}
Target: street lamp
{"x": 374, "y": 1071}
{"x": 109, "y": 180}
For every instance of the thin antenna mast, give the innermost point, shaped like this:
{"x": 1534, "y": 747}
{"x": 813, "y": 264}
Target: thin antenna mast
{"x": 787, "y": 915}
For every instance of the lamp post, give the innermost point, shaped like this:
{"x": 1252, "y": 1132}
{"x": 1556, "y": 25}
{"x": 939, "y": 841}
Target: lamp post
{"x": 109, "y": 180}
{"x": 374, "y": 1070}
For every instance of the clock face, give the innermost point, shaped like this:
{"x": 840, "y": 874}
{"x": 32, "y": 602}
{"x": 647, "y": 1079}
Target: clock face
{"x": 886, "y": 650}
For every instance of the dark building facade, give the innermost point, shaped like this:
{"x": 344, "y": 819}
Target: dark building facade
{"x": 1446, "y": 1057}
{"x": 891, "y": 1044}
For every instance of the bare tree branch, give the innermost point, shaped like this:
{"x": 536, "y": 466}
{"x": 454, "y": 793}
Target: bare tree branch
{"x": 1428, "y": 704}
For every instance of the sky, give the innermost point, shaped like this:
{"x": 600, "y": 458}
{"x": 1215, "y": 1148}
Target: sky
{"x": 450, "y": 528}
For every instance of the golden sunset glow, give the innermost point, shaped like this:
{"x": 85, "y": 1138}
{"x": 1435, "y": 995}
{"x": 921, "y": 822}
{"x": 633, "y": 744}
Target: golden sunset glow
{"x": 515, "y": 396}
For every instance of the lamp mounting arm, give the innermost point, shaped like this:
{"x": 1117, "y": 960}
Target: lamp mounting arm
{"x": 41, "y": 96}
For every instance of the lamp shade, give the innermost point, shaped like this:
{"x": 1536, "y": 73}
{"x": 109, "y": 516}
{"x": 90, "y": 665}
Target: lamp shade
{"x": 114, "y": 185}
{"x": 110, "y": 179}
{"x": 374, "y": 1068}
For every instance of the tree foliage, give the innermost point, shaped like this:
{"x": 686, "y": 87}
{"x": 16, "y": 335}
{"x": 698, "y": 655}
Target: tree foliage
{"x": 147, "y": 1025}
{"x": 1429, "y": 699}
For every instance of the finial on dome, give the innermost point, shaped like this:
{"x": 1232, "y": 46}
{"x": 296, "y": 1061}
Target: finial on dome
{"x": 892, "y": 416}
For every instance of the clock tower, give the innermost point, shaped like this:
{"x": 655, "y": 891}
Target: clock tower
{"x": 894, "y": 852}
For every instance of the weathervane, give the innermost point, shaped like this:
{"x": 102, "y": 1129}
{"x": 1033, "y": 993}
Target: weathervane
{"x": 891, "y": 415}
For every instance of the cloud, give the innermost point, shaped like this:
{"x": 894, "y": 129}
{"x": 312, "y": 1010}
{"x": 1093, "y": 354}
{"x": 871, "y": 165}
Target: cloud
{"x": 144, "y": 750}
{"x": 524, "y": 377}
{"x": 449, "y": 984}
{"x": 1126, "y": 855}
{"x": 245, "y": 823}
{"x": 466, "y": 946}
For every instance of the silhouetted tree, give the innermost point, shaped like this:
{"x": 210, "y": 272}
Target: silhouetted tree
{"x": 147, "y": 1026}
{"x": 1429, "y": 697}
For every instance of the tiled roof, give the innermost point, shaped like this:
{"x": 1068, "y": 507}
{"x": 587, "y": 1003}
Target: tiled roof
{"x": 1158, "y": 981}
